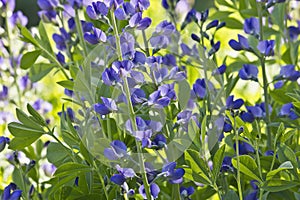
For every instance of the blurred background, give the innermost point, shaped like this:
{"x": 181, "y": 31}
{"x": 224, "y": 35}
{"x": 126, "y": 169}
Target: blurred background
{"x": 30, "y": 8}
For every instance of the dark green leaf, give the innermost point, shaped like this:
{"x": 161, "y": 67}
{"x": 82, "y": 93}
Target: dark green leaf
{"x": 247, "y": 166}
{"x": 29, "y": 59}
{"x": 36, "y": 115}
{"x": 197, "y": 164}
{"x": 67, "y": 84}
{"x": 39, "y": 71}
{"x": 283, "y": 166}
{"x": 27, "y": 121}
{"x": 183, "y": 93}
{"x": 279, "y": 185}
{"x": 217, "y": 162}
{"x": 71, "y": 168}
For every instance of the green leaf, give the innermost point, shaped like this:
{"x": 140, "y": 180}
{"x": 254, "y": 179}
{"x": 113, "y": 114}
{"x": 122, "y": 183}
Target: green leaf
{"x": 279, "y": 95}
{"x": 197, "y": 164}
{"x": 231, "y": 195}
{"x": 278, "y": 14}
{"x": 27, "y": 121}
{"x": 89, "y": 197}
{"x": 44, "y": 37}
{"x": 27, "y": 36}
{"x": 71, "y": 168}
{"x": 233, "y": 23}
{"x": 283, "y": 166}
{"x": 39, "y": 71}
{"x": 285, "y": 153}
{"x": 287, "y": 135}
{"x": 67, "y": 84}
{"x": 56, "y": 153}
{"x": 217, "y": 162}
{"x": 279, "y": 133}
{"x": 36, "y": 115}
{"x": 247, "y": 166}
{"x": 279, "y": 185}
{"x": 183, "y": 93}
{"x": 20, "y": 130}
{"x": 29, "y": 59}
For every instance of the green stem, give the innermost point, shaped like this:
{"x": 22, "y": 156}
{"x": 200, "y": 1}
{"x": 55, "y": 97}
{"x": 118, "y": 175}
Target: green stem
{"x": 108, "y": 128}
{"x": 23, "y": 183}
{"x": 265, "y": 81}
{"x": 80, "y": 33}
{"x": 101, "y": 180}
{"x": 146, "y": 43}
{"x": 131, "y": 111}
{"x": 258, "y": 159}
{"x": 216, "y": 188}
{"x": 238, "y": 162}
{"x": 261, "y": 192}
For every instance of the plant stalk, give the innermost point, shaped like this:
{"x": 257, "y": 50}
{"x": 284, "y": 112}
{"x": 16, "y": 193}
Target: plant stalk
{"x": 131, "y": 111}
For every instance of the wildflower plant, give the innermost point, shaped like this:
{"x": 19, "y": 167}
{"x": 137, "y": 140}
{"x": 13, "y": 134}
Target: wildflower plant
{"x": 153, "y": 109}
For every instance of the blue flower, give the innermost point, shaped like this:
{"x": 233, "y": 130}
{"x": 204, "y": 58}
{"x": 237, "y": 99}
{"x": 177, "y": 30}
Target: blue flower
{"x": 3, "y": 142}
{"x": 289, "y": 72}
{"x": 96, "y": 9}
{"x": 108, "y": 106}
{"x": 154, "y": 191}
{"x": 144, "y": 131}
{"x": 61, "y": 58}
{"x": 212, "y": 24}
{"x": 244, "y": 148}
{"x": 251, "y": 26}
{"x": 124, "y": 173}
{"x": 9, "y": 195}
{"x": 113, "y": 3}
{"x": 163, "y": 96}
{"x": 115, "y": 73}
{"x": 127, "y": 45}
{"x": 137, "y": 21}
{"x": 231, "y": 104}
{"x": 48, "y": 7}
{"x": 248, "y": 72}
{"x": 95, "y": 37}
{"x": 8, "y": 5}
{"x": 158, "y": 142}
{"x": 241, "y": 44}
{"x": 279, "y": 84}
{"x": 174, "y": 175}
{"x": 254, "y": 112}
{"x": 226, "y": 164}
{"x": 253, "y": 194}
{"x": 287, "y": 110}
{"x": 293, "y": 32}
{"x": 75, "y": 3}
{"x": 47, "y": 4}
{"x": 4, "y": 93}
{"x": 220, "y": 70}
{"x": 266, "y": 47}
{"x": 199, "y": 89}
{"x": 69, "y": 112}
{"x": 18, "y": 18}
{"x": 186, "y": 192}
{"x": 141, "y": 5}
{"x": 162, "y": 35}
{"x": 191, "y": 16}
{"x": 62, "y": 39}
{"x": 117, "y": 150}
{"x": 86, "y": 26}
{"x": 48, "y": 169}
{"x": 165, "y": 4}
{"x": 215, "y": 47}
